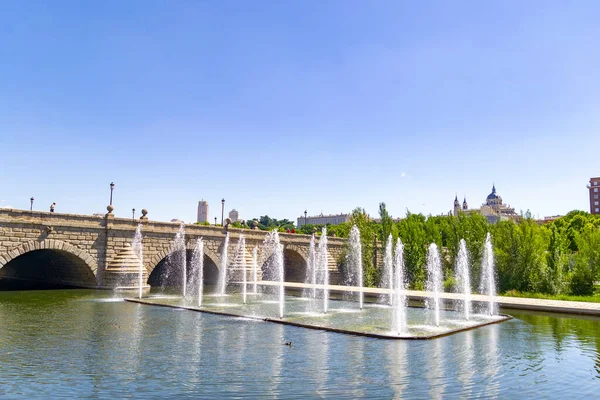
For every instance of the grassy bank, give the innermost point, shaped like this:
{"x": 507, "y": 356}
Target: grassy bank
{"x": 591, "y": 299}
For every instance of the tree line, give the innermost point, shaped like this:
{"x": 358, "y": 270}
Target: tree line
{"x": 558, "y": 257}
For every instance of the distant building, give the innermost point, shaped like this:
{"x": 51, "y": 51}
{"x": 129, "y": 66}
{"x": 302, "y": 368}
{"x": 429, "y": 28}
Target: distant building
{"x": 394, "y": 220}
{"x": 594, "y": 188}
{"x": 333, "y": 219}
{"x": 202, "y": 211}
{"x": 234, "y": 215}
{"x": 493, "y": 208}
{"x": 550, "y": 219}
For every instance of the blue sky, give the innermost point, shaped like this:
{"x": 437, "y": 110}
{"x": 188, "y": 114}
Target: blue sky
{"x": 281, "y": 106}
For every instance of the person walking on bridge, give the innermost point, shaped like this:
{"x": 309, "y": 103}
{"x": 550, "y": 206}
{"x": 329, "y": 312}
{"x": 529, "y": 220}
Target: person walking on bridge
{"x": 52, "y": 207}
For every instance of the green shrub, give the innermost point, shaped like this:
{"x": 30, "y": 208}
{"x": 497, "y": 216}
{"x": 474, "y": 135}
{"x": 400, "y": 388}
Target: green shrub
{"x": 582, "y": 283}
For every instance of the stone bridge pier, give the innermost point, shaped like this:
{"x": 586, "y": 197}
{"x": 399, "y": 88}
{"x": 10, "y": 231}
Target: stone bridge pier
{"x": 68, "y": 250}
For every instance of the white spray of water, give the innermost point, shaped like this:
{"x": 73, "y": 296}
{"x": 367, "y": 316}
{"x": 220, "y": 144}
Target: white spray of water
{"x": 255, "y": 269}
{"x": 138, "y": 250}
{"x": 197, "y": 264}
{"x": 324, "y": 267}
{"x": 354, "y": 261}
{"x": 240, "y": 260}
{"x": 463, "y": 278}
{"x": 387, "y": 278}
{"x": 434, "y": 281}
{"x": 399, "y": 310}
{"x": 222, "y": 284}
{"x": 488, "y": 283}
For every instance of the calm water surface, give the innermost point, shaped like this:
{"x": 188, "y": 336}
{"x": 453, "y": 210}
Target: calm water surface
{"x": 83, "y": 344}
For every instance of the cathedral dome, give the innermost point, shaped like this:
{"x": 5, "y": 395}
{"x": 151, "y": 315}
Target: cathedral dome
{"x": 493, "y": 195}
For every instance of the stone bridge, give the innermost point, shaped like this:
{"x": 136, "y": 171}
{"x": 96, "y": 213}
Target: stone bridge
{"x": 69, "y": 250}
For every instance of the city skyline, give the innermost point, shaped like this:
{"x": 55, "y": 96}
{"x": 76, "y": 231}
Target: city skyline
{"x": 302, "y": 216}
{"x": 280, "y": 108}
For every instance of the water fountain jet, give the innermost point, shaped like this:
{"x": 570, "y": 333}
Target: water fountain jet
{"x": 399, "y": 310}
{"x": 255, "y": 268}
{"x": 387, "y": 276}
{"x": 311, "y": 270}
{"x": 354, "y": 261}
{"x": 275, "y": 265}
{"x": 222, "y": 283}
{"x": 463, "y": 279}
{"x": 324, "y": 266}
{"x": 138, "y": 250}
{"x": 240, "y": 262}
{"x": 434, "y": 281}
{"x": 488, "y": 284}
{"x": 197, "y": 264}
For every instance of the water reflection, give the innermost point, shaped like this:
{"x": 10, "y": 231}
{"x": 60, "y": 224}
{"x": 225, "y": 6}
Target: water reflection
{"x": 466, "y": 364}
{"x": 491, "y": 362}
{"x": 397, "y": 366}
{"x": 358, "y": 371}
{"x": 318, "y": 345}
{"x": 435, "y": 369}
{"x": 68, "y": 344}
{"x": 195, "y": 351}
{"x": 276, "y": 356}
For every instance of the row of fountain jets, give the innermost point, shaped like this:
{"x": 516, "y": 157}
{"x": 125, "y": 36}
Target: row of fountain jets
{"x": 317, "y": 272}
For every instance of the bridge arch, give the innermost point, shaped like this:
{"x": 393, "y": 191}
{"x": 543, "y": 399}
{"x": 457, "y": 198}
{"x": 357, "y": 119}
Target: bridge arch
{"x": 49, "y": 262}
{"x": 159, "y": 274}
{"x": 294, "y": 263}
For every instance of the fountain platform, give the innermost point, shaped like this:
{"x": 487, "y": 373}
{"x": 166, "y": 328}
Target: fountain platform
{"x": 342, "y": 317}
{"x": 516, "y": 303}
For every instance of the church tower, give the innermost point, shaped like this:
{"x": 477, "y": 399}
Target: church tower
{"x": 456, "y": 206}
{"x": 465, "y": 205}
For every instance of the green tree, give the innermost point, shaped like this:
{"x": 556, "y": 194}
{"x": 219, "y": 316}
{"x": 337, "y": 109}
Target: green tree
{"x": 307, "y": 229}
{"x": 412, "y": 233}
{"x": 367, "y": 230}
{"x": 520, "y": 251}
{"x": 557, "y": 259}
{"x": 587, "y": 261}
{"x": 387, "y": 224}
{"x": 341, "y": 230}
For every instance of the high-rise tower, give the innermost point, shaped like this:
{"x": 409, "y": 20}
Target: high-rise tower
{"x": 202, "y": 211}
{"x": 594, "y": 188}
{"x": 234, "y": 215}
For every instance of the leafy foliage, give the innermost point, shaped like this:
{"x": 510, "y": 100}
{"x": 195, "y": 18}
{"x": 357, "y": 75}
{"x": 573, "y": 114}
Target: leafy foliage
{"x": 557, "y": 258}
{"x": 267, "y": 223}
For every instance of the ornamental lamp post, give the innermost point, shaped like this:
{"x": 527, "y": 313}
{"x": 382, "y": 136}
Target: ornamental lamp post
{"x": 222, "y": 210}
{"x": 31, "y": 205}
{"x": 112, "y": 186}
{"x": 215, "y": 221}
{"x": 305, "y": 217}
{"x": 133, "y": 214}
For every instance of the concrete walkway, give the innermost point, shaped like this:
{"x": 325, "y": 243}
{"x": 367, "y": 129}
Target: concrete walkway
{"x": 569, "y": 307}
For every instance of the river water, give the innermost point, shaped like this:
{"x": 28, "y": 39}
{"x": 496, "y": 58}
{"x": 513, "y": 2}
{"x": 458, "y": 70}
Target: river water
{"x": 85, "y": 344}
